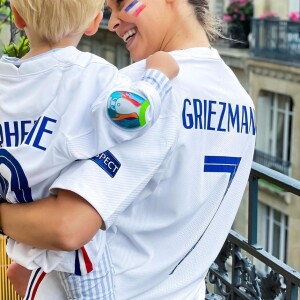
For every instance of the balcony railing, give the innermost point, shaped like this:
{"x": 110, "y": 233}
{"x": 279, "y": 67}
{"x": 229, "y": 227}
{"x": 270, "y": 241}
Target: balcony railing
{"x": 276, "y": 40}
{"x": 272, "y": 162}
{"x": 244, "y": 281}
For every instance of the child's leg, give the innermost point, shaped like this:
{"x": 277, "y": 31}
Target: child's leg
{"x": 96, "y": 285}
{"x": 19, "y": 277}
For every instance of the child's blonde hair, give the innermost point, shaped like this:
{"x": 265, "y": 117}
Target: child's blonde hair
{"x": 54, "y": 19}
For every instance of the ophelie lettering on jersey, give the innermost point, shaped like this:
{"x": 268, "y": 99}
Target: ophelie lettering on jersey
{"x": 34, "y": 133}
{"x": 218, "y": 116}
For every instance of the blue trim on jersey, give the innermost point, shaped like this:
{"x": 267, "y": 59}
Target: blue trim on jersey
{"x": 222, "y": 164}
{"x": 19, "y": 183}
{"x": 216, "y": 164}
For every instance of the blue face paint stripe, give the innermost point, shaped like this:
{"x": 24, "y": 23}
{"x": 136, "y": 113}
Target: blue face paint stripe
{"x": 132, "y": 4}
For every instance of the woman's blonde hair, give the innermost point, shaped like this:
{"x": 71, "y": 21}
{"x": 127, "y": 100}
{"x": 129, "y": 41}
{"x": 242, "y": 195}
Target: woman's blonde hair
{"x": 54, "y": 19}
{"x": 211, "y": 24}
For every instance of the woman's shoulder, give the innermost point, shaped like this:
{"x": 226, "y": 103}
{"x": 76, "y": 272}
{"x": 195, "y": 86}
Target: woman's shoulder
{"x": 135, "y": 70}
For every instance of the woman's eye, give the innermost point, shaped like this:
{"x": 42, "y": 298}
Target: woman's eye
{"x": 119, "y": 2}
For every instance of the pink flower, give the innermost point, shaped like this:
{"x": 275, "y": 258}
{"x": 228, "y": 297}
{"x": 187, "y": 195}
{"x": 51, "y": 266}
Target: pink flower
{"x": 227, "y": 18}
{"x": 242, "y": 17}
{"x": 294, "y": 16}
{"x": 243, "y": 2}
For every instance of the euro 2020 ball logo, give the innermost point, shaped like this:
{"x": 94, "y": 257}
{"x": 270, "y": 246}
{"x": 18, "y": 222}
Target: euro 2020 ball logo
{"x": 127, "y": 110}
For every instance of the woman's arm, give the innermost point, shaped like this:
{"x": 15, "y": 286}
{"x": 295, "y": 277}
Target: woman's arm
{"x": 63, "y": 222}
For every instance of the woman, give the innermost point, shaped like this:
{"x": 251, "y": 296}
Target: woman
{"x": 168, "y": 199}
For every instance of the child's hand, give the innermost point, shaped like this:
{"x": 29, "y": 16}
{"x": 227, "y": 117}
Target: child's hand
{"x": 163, "y": 62}
{"x": 19, "y": 278}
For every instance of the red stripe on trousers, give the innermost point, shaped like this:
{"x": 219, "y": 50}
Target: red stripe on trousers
{"x": 37, "y": 285}
{"x": 88, "y": 263}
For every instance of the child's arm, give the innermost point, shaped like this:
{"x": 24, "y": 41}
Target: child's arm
{"x": 78, "y": 262}
{"x": 163, "y": 62}
{"x": 129, "y": 108}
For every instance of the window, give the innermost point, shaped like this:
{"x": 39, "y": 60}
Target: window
{"x": 274, "y": 229}
{"x": 274, "y": 122}
{"x": 280, "y": 126}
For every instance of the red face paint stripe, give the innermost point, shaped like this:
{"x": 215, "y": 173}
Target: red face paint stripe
{"x": 139, "y": 10}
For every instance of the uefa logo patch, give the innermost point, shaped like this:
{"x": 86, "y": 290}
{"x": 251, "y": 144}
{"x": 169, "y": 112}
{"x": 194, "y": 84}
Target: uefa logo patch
{"x": 127, "y": 110}
{"x": 107, "y": 162}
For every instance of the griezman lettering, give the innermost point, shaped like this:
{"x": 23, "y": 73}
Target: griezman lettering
{"x": 218, "y": 116}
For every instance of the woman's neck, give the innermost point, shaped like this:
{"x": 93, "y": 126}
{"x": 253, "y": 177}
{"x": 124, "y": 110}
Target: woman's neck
{"x": 187, "y": 33}
{"x": 186, "y": 40}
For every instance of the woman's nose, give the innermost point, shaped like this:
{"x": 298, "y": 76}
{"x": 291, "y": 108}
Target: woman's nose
{"x": 113, "y": 23}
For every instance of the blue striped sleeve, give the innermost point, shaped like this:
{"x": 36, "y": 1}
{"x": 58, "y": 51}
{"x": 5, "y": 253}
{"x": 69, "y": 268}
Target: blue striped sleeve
{"x": 159, "y": 81}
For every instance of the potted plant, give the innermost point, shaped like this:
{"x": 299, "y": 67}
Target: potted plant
{"x": 294, "y": 16}
{"x": 238, "y": 15}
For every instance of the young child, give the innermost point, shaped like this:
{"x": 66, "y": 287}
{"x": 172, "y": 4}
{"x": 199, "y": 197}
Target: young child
{"x": 58, "y": 105}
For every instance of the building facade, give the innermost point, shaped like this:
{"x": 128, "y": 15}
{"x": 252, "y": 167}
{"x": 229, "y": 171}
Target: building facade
{"x": 270, "y": 71}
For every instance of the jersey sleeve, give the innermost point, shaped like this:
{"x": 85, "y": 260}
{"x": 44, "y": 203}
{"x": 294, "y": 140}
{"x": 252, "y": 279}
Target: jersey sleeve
{"x": 128, "y": 172}
{"x": 129, "y": 108}
{"x": 78, "y": 262}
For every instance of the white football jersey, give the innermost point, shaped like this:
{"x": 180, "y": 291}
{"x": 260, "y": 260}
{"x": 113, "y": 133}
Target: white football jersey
{"x": 173, "y": 199}
{"x": 59, "y": 107}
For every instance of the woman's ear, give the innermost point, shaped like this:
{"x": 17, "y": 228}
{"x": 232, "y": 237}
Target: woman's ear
{"x": 94, "y": 26}
{"x": 19, "y": 21}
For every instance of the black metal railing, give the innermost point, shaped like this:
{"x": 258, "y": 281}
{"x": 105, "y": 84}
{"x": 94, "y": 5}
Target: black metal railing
{"x": 272, "y": 162}
{"x": 276, "y": 40}
{"x": 243, "y": 281}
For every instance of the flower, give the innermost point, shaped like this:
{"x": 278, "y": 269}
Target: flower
{"x": 239, "y": 11}
{"x": 294, "y": 16}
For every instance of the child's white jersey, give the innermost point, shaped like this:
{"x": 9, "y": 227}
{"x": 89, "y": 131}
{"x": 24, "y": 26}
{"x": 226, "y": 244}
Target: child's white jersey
{"x": 59, "y": 107}
{"x": 171, "y": 204}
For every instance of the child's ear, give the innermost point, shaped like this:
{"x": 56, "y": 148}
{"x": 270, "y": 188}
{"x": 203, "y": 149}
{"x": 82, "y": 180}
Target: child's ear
{"x": 94, "y": 26}
{"x": 19, "y": 21}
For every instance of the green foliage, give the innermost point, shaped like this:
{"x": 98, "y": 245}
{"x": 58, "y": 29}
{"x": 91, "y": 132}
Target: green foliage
{"x": 13, "y": 49}
{"x": 5, "y": 10}
{"x": 17, "y": 50}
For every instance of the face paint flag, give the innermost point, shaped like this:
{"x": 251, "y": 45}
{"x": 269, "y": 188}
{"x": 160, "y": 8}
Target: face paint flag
{"x": 135, "y": 8}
